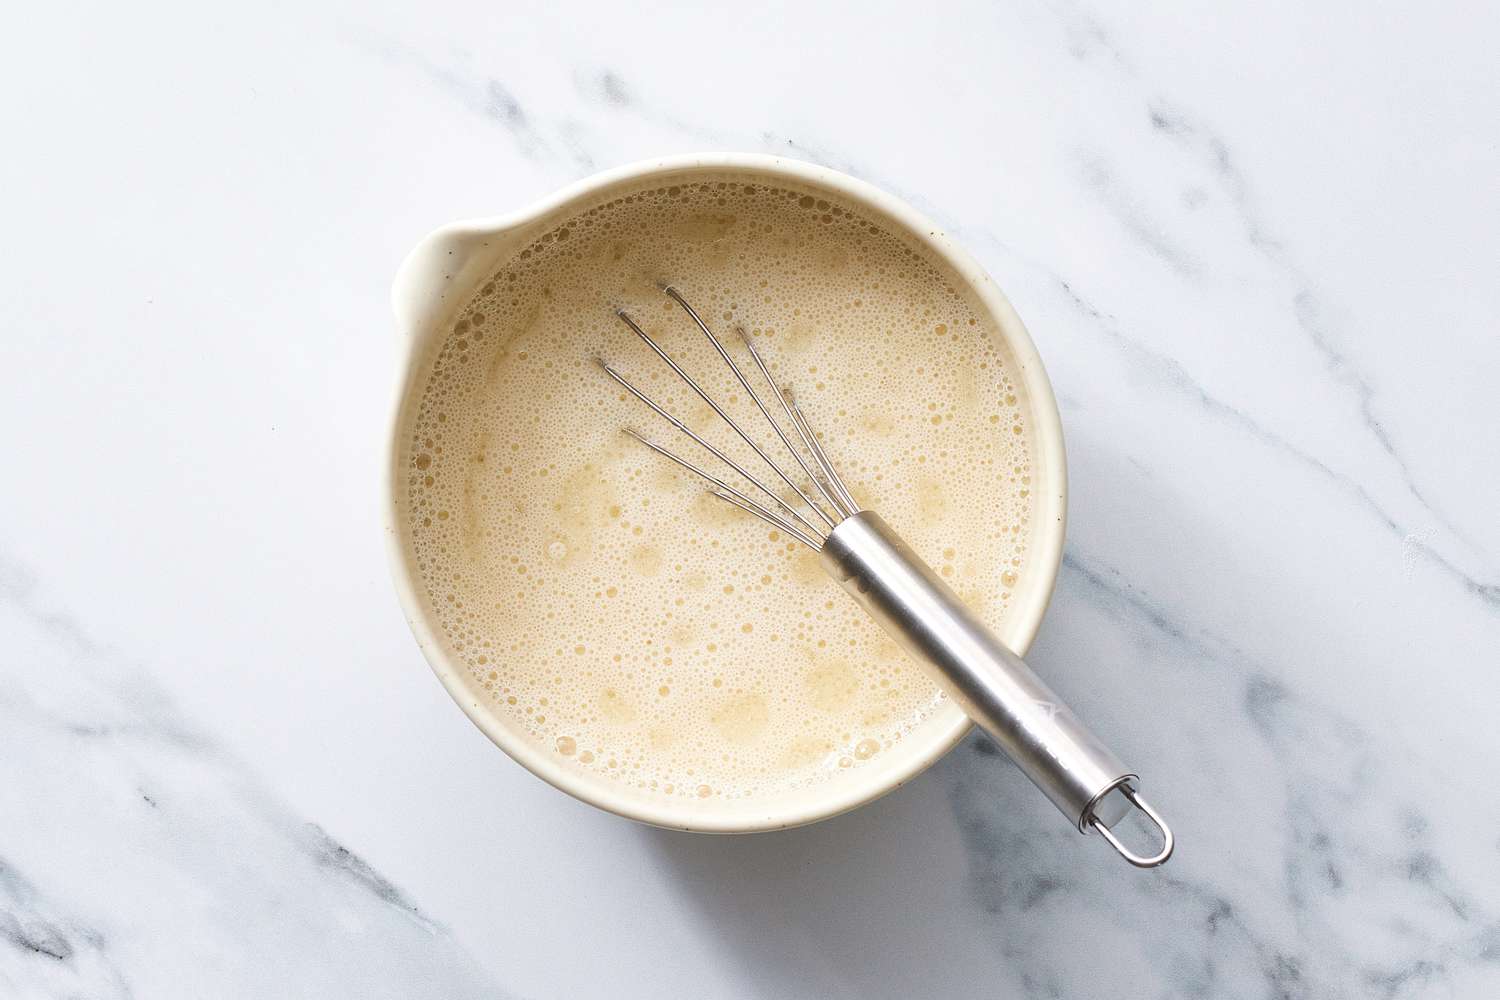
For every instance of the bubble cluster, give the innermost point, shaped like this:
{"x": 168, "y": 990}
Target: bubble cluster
{"x": 626, "y": 620}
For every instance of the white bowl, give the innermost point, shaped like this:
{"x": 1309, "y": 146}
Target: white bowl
{"x": 439, "y": 277}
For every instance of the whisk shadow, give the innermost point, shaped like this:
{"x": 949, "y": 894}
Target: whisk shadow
{"x": 870, "y": 904}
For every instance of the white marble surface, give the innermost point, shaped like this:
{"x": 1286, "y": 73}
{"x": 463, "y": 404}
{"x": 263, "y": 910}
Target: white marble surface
{"x": 1256, "y": 245}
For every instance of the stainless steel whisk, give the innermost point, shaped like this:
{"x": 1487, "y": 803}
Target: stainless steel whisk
{"x": 993, "y": 685}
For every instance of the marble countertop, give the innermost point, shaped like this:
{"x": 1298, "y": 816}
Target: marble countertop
{"x": 1256, "y": 246}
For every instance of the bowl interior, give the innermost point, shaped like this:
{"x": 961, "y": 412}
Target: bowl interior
{"x": 488, "y": 243}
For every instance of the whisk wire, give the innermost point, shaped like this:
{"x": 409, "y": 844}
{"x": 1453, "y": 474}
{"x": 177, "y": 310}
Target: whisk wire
{"x": 706, "y": 445}
{"x": 755, "y": 396}
{"x": 840, "y": 498}
{"x": 729, "y": 493}
{"x": 816, "y": 447}
{"x": 713, "y": 405}
{"x": 820, "y": 471}
{"x": 760, "y": 512}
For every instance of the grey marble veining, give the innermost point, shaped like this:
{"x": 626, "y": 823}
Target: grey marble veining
{"x": 1322, "y": 883}
{"x": 141, "y": 859}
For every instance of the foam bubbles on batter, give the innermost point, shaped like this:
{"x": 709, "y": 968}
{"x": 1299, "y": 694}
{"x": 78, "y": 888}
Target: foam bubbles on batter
{"x": 627, "y": 620}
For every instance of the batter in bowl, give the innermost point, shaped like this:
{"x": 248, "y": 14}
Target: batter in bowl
{"x": 627, "y": 620}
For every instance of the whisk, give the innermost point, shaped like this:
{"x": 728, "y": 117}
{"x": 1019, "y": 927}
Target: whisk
{"x": 993, "y": 685}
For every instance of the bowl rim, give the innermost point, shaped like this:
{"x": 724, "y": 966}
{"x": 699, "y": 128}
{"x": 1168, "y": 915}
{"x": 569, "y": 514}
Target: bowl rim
{"x": 948, "y": 725}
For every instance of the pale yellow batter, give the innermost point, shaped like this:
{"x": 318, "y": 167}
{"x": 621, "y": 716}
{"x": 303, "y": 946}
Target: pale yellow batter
{"x": 628, "y": 620}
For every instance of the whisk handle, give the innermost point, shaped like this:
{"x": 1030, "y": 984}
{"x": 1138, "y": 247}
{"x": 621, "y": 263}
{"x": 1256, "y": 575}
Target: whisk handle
{"x": 990, "y": 683}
